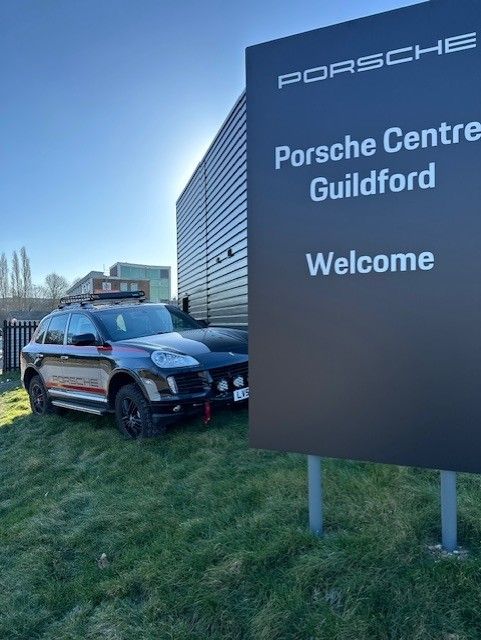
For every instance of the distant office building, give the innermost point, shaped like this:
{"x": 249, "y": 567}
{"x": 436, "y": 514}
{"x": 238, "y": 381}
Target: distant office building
{"x": 158, "y": 278}
{"x": 87, "y": 284}
{"x": 153, "y": 280}
{"x": 212, "y": 229}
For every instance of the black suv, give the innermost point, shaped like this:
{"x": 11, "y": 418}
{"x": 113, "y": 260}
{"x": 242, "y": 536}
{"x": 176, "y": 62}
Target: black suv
{"x": 148, "y": 363}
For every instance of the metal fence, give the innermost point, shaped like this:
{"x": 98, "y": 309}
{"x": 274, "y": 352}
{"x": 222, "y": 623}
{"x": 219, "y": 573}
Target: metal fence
{"x": 16, "y": 334}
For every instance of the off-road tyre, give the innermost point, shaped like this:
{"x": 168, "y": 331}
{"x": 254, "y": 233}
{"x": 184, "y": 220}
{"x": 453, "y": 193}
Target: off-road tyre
{"x": 134, "y": 415}
{"x": 40, "y": 403}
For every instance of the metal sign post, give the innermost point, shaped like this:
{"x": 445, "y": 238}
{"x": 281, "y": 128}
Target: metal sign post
{"x": 448, "y": 511}
{"x": 314, "y": 475}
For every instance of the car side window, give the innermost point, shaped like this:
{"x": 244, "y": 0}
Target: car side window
{"x": 40, "y": 332}
{"x": 80, "y": 324}
{"x": 180, "y": 321}
{"x": 56, "y": 329}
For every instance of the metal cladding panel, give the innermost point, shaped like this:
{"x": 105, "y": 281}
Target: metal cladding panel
{"x": 191, "y": 243}
{"x": 212, "y": 228}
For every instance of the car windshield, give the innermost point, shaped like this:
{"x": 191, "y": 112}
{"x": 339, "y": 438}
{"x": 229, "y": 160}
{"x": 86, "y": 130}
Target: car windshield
{"x": 135, "y": 322}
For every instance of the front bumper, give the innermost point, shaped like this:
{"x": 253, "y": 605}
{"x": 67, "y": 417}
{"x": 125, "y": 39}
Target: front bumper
{"x": 193, "y": 389}
{"x": 169, "y": 411}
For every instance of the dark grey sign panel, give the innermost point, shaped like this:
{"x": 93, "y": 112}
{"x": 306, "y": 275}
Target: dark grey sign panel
{"x": 364, "y": 205}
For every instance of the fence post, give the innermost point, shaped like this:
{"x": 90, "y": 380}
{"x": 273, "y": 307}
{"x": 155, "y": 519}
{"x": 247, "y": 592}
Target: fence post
{"x": 4, "y": 345}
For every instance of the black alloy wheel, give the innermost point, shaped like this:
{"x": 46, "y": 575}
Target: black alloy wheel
{"x": 133, "y": 413}
{"x": 39, "y": 401}
{"x": 38, "y": 398}
{"x": 131, "y": 420}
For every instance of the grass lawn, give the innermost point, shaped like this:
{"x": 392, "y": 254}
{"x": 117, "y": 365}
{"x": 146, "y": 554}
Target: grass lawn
{"x": 9, "y": 381}
{"x": 205, "y": 539}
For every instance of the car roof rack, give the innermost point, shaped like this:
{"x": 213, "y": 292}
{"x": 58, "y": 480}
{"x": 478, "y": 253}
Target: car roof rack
{"x": 89, "y": 299}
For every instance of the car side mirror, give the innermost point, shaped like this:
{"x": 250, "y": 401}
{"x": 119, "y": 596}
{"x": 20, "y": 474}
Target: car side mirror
{"x": 84, "y": 340}
{"x": 203, "y": 323}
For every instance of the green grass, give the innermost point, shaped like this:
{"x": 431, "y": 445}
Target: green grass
{"x": 9, "y": 380}
{"x": 206, "y": 539}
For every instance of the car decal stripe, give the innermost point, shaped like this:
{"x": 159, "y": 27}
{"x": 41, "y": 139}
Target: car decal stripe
{"x": 75, "y": 387}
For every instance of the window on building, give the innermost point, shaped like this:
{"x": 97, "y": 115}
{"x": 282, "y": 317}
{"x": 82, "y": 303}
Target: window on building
{"x": 124, "y": 286}
{"x": 134, "y": 286}
{"x": 132, "y": 272}
{"x": 56, "y": 329}
{"x": 106, "y": 286}
{"x": 152, "y": 274}
{"x": 159, "y": 291}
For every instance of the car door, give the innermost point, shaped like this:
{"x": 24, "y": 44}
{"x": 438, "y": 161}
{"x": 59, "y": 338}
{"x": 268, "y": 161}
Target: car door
{"x": 50, "y": 353}
{"x": 82, "y": 364}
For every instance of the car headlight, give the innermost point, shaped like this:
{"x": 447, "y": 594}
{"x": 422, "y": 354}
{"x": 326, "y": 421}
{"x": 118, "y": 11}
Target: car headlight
{"x": 171, "y": 360}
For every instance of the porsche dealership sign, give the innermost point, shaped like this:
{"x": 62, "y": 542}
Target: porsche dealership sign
{"x": 364, "y": 222}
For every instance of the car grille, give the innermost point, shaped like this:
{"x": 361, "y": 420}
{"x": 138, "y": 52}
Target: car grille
{"x": 229, "y": 373}
{"x": 195, "y": 382}
{"x": 201, "y": 381}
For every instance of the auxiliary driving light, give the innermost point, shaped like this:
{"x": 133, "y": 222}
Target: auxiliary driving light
{"x": 238, "y": 381}
{"x": 223, "y": 385}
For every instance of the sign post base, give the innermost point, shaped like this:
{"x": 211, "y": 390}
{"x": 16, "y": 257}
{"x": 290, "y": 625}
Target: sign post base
{"x": 449, "y": 526}
{"x": 314, "y": 475}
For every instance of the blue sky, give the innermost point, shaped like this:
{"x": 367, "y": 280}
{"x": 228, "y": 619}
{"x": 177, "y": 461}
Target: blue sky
{"x": 106, "y": 107}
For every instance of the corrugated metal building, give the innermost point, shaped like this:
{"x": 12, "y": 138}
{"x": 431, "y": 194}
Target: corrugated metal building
{"x": 212, "y": 229}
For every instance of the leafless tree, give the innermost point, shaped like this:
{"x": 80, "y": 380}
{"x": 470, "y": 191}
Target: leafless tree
{"x": 55, "y": 286}
{"x": 4, "y": 283}
{"x": 38, "y": 291}
{"x": 26, "y": 275}
{"x": 15, "y": 278}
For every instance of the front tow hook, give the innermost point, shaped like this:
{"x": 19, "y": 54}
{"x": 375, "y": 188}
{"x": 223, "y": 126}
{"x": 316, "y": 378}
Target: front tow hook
{"x": 207, "y": 412}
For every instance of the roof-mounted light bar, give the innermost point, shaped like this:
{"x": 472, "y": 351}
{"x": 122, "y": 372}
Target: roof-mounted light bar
{"x": 85, "y": 298}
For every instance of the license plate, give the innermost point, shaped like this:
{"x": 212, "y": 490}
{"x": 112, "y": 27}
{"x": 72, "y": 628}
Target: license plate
{"x": 241, "y": 394}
